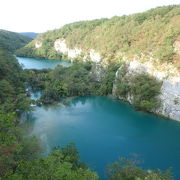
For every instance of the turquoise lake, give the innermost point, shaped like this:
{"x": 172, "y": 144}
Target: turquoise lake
{"x": 105, "y": 129}
{"x": 33, "y": 63}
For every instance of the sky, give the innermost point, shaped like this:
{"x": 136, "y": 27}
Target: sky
{"x": 42, "y": 15}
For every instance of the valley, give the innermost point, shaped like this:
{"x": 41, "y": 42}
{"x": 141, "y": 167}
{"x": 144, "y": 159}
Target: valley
{"x": 94, "y": 99}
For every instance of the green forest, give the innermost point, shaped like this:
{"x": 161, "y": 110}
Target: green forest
{"x": 12, "y": 41}
{"x": 151, "y": 33}
{"x": 80, "y": 80}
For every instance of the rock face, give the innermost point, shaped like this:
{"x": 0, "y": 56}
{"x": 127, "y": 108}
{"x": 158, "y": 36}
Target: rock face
{"x": 38, "y": 44}
{"x": 61, "y": 46}
{"x": 170, "y": 89}
{"x": 170, "y": 98}
{"x": 94, "y": 56}
{"x": 97, "y": 70}
{"x": 177, "y": 47}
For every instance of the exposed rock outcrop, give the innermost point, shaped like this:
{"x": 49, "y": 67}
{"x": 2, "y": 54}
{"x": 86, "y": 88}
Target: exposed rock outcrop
{"x": 61, "y": 46}
{"x": 170, "y": 89}
{"x": 38, "y": 44}
{"x": 177, "y": 47}
{"x": 97, "y": 70}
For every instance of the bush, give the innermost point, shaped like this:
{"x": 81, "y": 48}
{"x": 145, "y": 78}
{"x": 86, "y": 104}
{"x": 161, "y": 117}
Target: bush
{"x": 61, "y": 164}
{"x": 143, "y": 89}
{"x": 127, "y": 169}
{"x": 107, "y": 81}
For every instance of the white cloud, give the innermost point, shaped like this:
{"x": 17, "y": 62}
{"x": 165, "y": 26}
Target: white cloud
{"x": 42, "y": 15}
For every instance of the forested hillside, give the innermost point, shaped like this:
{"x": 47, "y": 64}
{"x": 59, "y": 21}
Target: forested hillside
{"x": 12, "y": 90}
{"x": 151, "y": 33}
{"x": 31, "y": 35}
{"x": 12, "y": 41}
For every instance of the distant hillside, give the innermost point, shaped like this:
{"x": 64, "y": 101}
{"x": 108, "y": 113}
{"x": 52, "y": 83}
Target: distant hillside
{"x": 31, "y": 35}
{"x": 151, "y": 33}
{"x": 12, "y": 41}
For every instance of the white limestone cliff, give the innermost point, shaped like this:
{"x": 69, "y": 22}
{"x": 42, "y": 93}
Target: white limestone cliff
{"x": 176, "y": 46}
{"x": 38, "y": 44}
{"x": 170, "y": 89}
{"x": 61, "y": 46}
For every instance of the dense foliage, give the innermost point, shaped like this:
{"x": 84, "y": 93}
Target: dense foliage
{"x": 76, "y": 80}
{"x": 61, "y": 164}
{"x": 12, "y": 41}
{"x": 151, "y": 33}
{"x": 145, "y": 90}
{"x": 141, "y": 89}
{"x": 14, "y": 145}
{"x": 12, "y": 90}
{"x": 106, "y": 85}
{"x": 127, "y": 169}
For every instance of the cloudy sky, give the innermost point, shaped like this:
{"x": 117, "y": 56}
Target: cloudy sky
{"x": 43, "y": 15}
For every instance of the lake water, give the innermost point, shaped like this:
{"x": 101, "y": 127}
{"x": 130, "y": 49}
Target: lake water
{"x": 33, "y": 63}
{"x": 105, "y": 129}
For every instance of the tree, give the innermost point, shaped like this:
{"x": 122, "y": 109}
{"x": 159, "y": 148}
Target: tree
{"x": 127, "y": 169}
{"x": 61, "y": 164}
